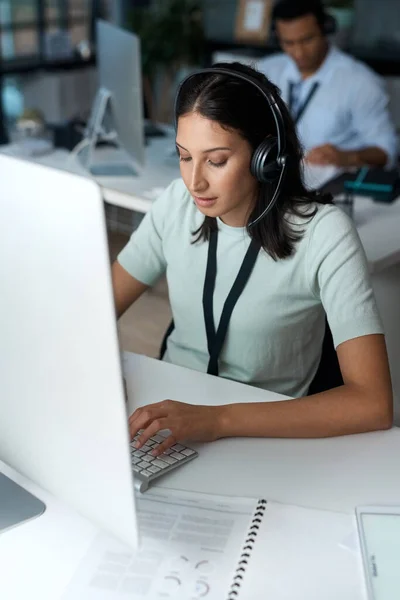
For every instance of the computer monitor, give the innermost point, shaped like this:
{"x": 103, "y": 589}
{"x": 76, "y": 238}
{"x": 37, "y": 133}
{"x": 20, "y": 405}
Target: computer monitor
{"x": 63, "y": 416}
{"x": 117, "y": 112}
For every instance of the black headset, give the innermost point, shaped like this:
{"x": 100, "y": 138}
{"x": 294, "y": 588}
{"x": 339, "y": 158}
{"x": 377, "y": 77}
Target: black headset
{"x": 328, "y": 23}
{"x": 269, "y": 160}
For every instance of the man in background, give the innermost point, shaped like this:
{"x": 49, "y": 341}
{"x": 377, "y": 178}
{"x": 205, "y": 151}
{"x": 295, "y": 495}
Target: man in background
{"x": 339, "y": 104}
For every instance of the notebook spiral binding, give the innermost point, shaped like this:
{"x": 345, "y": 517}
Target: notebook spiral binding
{"x": 247, "y": 549}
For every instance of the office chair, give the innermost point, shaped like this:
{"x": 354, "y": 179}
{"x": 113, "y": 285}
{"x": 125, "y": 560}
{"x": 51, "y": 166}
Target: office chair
{"x": 328, "y": 374}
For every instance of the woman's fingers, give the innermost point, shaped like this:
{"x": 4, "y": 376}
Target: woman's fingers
{"x": 142, "y": 417}
{"x": 170, "y": 441}
{"x": 153, "y": 428}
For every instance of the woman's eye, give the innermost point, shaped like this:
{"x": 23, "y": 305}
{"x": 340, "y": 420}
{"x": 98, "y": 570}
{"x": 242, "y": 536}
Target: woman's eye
{"x": 185, "y": 158}
{"x": 218, "y": 164}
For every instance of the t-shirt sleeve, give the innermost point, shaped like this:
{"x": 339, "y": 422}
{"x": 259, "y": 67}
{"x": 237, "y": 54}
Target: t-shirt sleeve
{"x": 143, "y": 256}
{"x": 339, "y": 276}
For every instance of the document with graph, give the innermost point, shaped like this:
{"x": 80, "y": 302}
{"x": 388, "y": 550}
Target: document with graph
{"x": 191, "y": 547}
{"x": 196, "y": 546}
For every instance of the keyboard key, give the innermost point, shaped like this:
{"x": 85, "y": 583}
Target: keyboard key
{"x": 148, "y": 458}
{"x": 145, "y": 449}
{"x": 136, "y": 468}
{"x": 178, "y": 447}
{"x": 136, "y": 460}
{"x": 160, "y": 463}
{"x": 187, "y": 452}
{"x": 168, "y": 459}
{"x": 143, "y": 465}
{"x": 168, "y": 451}
{"x": 138, "y": 453}
{"x": 158, "y": 439}
{"x": 178, "y": 455}
{"x": 153, "y": 469}
{"x": 146, "y": 473}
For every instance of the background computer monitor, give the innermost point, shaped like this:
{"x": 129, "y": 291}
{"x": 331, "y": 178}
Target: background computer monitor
{"x": 63, "y": 417}
{"x": 117, "y": 112}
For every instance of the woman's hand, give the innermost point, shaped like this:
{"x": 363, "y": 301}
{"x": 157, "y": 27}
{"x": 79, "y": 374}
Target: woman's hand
{"x": 185, "y": 422}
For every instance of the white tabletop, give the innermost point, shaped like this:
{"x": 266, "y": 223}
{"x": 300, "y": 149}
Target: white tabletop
{"x": 39, "y": 558}
{"x": 135, "y": 193}
{"x": 334, "y": 474}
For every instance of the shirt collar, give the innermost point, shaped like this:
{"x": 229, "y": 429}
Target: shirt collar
{"x": 323, "y": 73}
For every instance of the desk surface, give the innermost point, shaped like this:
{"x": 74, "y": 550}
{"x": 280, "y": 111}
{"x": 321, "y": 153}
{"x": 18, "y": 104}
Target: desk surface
{"x": 134, "y": 193}
{"x": 378, "y": 224}
{"x": 39, "y": 558}
{"x": 334, "y": 474}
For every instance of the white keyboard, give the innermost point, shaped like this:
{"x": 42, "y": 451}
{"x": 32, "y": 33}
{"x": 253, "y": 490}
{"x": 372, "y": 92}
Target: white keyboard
{"x": 147, "y": 468}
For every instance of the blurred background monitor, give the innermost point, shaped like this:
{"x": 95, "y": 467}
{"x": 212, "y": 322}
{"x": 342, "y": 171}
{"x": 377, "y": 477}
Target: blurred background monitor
{"x": 117, "y": 114}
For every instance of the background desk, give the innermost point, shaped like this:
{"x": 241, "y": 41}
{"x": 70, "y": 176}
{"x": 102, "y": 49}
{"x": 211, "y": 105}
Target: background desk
{"x": 378, "y": 226}
{"x": 38, "y": 559}
{"x": 133, "y": 193}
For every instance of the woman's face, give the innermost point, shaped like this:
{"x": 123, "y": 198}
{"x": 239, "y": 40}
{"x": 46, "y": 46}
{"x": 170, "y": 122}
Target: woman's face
{"x": 215, "y": 166}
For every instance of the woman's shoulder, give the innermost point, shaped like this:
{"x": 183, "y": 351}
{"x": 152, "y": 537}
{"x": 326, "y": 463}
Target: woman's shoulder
{"x": 322, "y": 225}
{"x": 331, "y": 229}
{"x": 331, "y": 219}
{"x": 176, "y": 191}
{"x": 316, "y": 217}
{"x": 174, "y": 199}
{"x": 174, "y": 212}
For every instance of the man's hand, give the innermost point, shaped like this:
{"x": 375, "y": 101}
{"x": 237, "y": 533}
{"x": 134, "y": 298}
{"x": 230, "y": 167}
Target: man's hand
{"x": 329, "y": 155}
{"x": 185, "y": 422}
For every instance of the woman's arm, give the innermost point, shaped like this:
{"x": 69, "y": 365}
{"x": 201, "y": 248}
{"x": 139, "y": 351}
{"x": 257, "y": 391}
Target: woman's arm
{"x": 363, "y": 403}
{"x": 126, "y": 288}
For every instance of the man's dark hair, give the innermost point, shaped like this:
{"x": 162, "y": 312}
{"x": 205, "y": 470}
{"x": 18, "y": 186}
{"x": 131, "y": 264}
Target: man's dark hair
{"x": 287, "y": 10}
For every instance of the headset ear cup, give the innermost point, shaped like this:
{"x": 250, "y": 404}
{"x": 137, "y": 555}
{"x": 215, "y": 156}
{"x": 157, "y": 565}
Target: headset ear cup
{"x": 264, "y": 166}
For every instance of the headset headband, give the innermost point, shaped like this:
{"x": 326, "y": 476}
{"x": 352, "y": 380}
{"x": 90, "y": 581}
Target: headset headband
{"x": 276, "y": 112}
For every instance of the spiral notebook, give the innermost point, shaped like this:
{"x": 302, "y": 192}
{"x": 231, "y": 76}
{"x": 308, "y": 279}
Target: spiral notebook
{"x": 197, "y": 546}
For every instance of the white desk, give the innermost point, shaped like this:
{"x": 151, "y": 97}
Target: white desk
{"x": 133, "y": 193}
{"x": 39, "y": 558}
{"x": 334, "y": 474}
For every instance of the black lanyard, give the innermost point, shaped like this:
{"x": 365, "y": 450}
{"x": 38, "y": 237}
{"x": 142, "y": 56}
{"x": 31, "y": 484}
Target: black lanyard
{"x": 306, "y": 103}
{"x": 216, "y": 338}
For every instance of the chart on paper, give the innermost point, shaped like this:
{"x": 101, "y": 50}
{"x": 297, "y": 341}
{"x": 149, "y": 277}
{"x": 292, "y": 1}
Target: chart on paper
{"x": 189, "y": 551}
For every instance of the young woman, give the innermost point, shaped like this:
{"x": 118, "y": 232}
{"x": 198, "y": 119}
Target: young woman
{"x": 304, "y": 262}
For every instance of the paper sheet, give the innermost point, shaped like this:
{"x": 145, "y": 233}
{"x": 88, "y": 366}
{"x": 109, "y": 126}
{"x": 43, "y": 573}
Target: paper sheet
{"x": 315, "y": 176}
{"x": 190, "y": 545}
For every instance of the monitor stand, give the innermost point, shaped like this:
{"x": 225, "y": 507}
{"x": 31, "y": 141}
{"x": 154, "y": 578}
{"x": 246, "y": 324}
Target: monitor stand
{"x": 16, "y": 504}
{"x": 100, "y": 131}
{"x": 112, "y": 170}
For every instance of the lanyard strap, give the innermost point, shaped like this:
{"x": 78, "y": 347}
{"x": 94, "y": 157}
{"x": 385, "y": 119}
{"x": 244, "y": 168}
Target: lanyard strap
{"x": 216, "y": 338}
{"x": 306, "y": 103}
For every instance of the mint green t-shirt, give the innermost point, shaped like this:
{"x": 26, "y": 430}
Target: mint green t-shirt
{"x": 276, "y": 330}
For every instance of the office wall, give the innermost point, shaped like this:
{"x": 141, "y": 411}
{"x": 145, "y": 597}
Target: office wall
{"x": 377, "y": 23}
{"x": 219, "y": 19}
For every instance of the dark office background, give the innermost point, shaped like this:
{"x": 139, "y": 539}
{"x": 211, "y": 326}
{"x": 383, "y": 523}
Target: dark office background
{"x": 29, "y": 42}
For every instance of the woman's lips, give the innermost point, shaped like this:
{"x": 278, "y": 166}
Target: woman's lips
{"x": 204, "y": 202}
